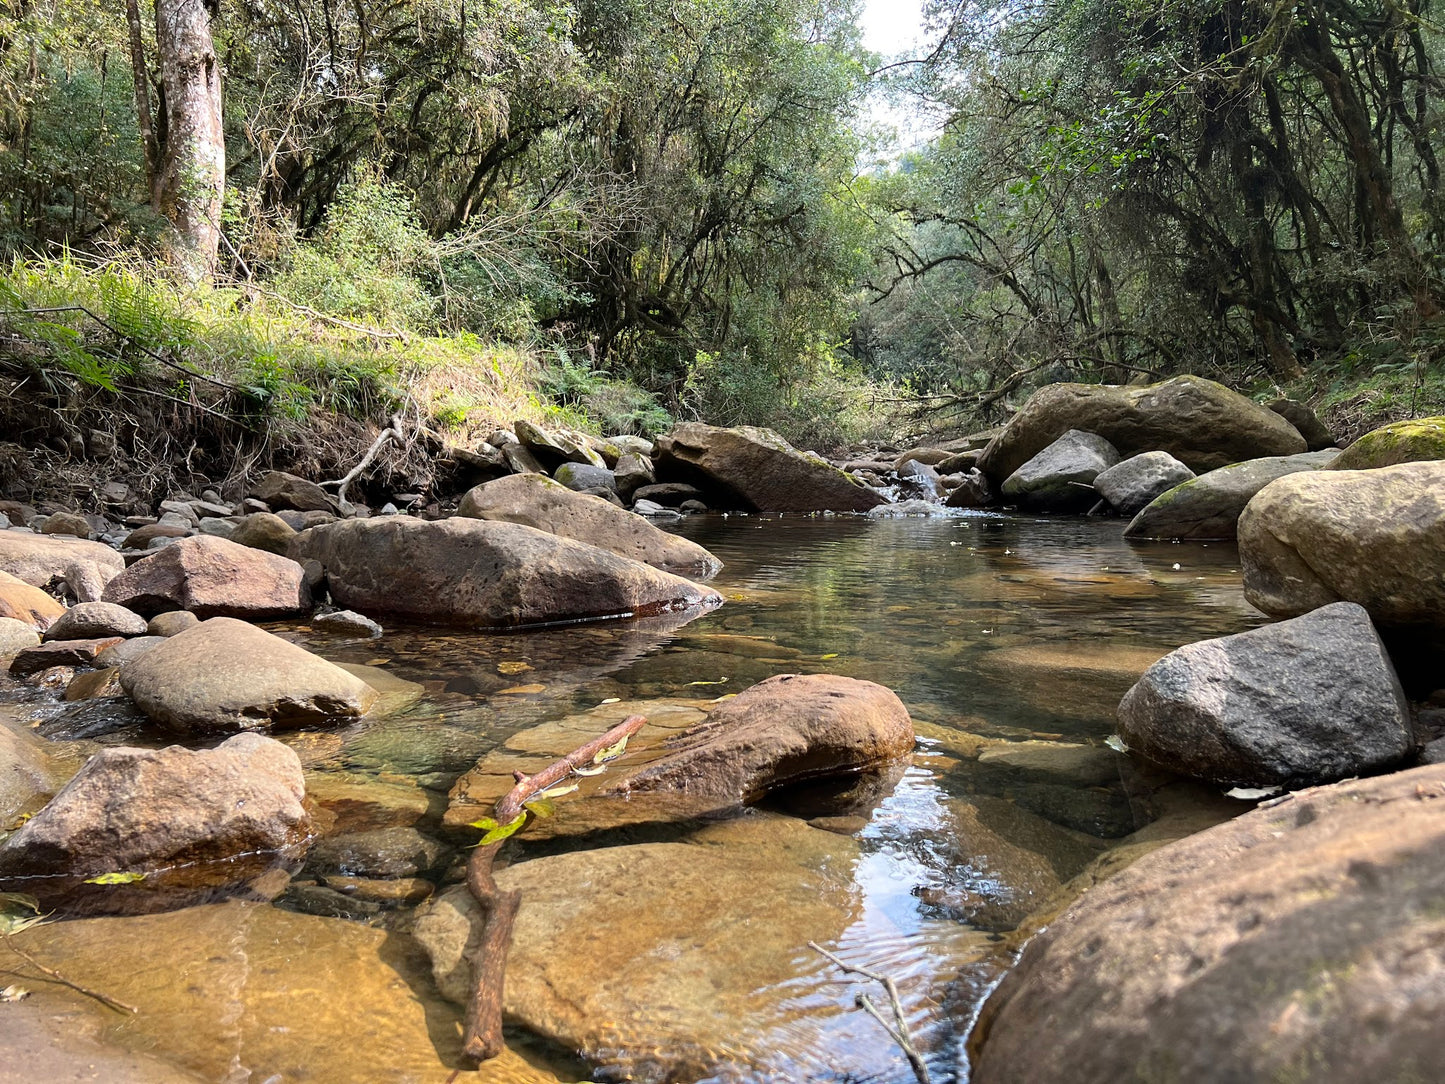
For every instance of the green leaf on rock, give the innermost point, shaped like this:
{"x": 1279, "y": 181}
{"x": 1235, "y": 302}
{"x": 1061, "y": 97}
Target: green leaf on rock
{"x": 492, "y": 832}
{"x": 612, "y": 752}
{"x": 118, "y": 878}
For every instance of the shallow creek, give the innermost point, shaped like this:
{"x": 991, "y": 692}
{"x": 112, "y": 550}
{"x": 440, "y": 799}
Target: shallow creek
{"x": 683, "y": 954}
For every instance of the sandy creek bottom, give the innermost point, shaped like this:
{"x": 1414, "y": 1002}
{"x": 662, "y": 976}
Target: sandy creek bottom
{"x": 680, "y": 952}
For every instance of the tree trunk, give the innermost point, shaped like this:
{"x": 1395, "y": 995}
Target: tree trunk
{"x": 193, "y": 160}
{"x": 141, "y": 76}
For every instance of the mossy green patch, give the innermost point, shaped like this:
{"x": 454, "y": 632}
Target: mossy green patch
{"x": 1410, "y": 441}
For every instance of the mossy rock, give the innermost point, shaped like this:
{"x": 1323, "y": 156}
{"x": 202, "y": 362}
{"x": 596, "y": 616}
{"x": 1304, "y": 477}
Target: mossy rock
{"x": 1413, "y": 441}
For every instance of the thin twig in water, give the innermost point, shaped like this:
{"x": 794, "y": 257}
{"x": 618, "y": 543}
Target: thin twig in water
{"x": 898, "y": 1032}
{"x": 50, "y": 972}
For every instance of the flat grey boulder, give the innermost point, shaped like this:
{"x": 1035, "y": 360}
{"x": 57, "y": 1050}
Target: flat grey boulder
{"x": 580, "y": 477}
{"x": 536, "y": 501}
{"x": 225, "y": 676}
{"x": 556, "y": 446}
{"x": 1310, "y": 700}
{"x": 1376, "y": 537}
{"x": 1061, "y": 477}
{"x": 92, "y": 620}
{"x": 488, "y": 574}
{"x": 176, "y": 819}
{"x": 1208, "y": 508}
{"x": 288, "y": 492}
{"x": 1199, "y": 422}
{"x": 1300, "y": 941}
{"x": 212, "y": 577}
{"x": 766, "y": 472}
{"x": 85, "y": 567}
{"x": 1131, "y": 484}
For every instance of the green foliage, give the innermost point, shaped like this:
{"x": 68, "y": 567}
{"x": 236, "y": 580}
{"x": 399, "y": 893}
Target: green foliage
{"x": 600, "y": 400}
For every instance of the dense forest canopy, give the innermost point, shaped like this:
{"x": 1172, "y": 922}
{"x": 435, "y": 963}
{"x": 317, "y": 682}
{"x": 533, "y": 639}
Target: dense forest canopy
{"x": 669, "y": 191}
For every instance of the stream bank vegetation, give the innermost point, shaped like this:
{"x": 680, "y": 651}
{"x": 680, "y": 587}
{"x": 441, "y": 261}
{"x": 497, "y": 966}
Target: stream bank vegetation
{"x": 613, "y": 216}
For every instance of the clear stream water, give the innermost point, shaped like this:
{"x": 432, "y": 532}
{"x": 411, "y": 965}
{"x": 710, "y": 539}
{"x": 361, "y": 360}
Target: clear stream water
{"x": 1010, "y": 640}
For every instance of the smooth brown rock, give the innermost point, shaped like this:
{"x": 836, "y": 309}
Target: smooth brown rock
{"x": 215, "y": 818}
{"x": 536, "y": 501}
{"x": 1299, "y": 941}
{"x": 246, "y": 991}
{"x": 225, "y": 676}
{"x": 171, "y": 622}
{"x": 16, "y": 636}
{"x": 264, "y": 531}
{"x": 85, "y": 567}
{"x": 1376, "y": 537}
{"x": 212, "y": 577}
{"x": 279, "y": 490}
{"x": 91, "y": 620}
{"x": 1201, "y": 423}
{"x": 1299, "y": 415}
{"x": 60, "y": 653}
{"x": 786, "y": 730}
{"x": 67, "y": 523}
{"x": 19, "y": 601}
{"x": 27, "y": 772}
{"x": 142, "y": 537}
{"x": 762, "y": 468}
{"x": 483, "y": 574}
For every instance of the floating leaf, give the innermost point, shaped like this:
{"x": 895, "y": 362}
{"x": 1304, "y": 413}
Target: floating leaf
{"x": 719, "y": 681}
{"x": 1116, "y": 743}
{"x": 558, "y": 791}
{"x": 540, "y": 806}
{"x": 513, "y": 667}
{"x": 18, "y": 912}
{"x": 598, "y": 770}
{"x": 612, "y": 700}
{"x": 830, "y": 655}
{"x": 494, "y": 832}
{"x": 124, "y": 877}
{"x": 612, "y": 752}
{"x": 18, "y": 823}
{"x": 14, "y": 993}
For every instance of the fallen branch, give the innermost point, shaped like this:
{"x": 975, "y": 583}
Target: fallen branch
{"x": 899, "y": 1031}
{"x": 393, "y": 432}
{"x": 483, "y": 1038}
{"x": 56, "y": 976}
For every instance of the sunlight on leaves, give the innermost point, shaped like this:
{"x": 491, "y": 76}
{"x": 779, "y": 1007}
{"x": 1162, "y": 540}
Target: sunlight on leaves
{"x": 19, "y": 911}
{"x": 719, "y": 681}
{"x": 494, "y": 832}
{"x": 126, "y": 877}
{"x": 540, "y": 807}
{"x": 612, "y": 752}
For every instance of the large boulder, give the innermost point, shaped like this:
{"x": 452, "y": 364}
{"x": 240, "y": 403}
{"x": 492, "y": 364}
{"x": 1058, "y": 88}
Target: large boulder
{"x": 536, "y": 501}
{"x": 486, "y": 574}
{"x": 556, "y": 446}
{"x": 1061, "y": 477}
{"x": 1202, "y": 424}
{"x": 788, "y": 729}
{"x": 84, "y": 567}
{"x": 1299, "y": 941}
{"x": 16, "y": 636}
{"x": 212, "y": 577}
{"x": 225, "y": 676}
{"x": 1376, "y": 537}
{"x": 1299, "y": 415}
{"x": 20, "y": 601}
{"x": 264, "y": 531}
{"x": 179, "y": 820}
{"x": 1131, "y": 484}
{"x": 1208, "y": 508}
{"x": 1310, "y": 700}
{"x": 765, "y": 471}
{"x": 1412, "y": 441}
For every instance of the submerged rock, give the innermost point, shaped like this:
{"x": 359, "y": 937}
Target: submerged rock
{"x": 484, "y": 574}
{"x": 84, "y": 567}
{"x": 767, "y": 472}
{"x": 1201, "y": 423}
{"x": 1061, "y": 477}
{"x": 212, "y": 577}
{"x": 1208, "y": 508}
{"x": 1297, "y": 940}
{"x": 183, "y": 822}
{"x": 1310, "y": 700}
{"x": 225, "y": 676}
{"x": 536, "y": 501}
{"x": 1375, "y": 537}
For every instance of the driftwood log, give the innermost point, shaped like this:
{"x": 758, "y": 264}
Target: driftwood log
{"x": 483, "y": 1039}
